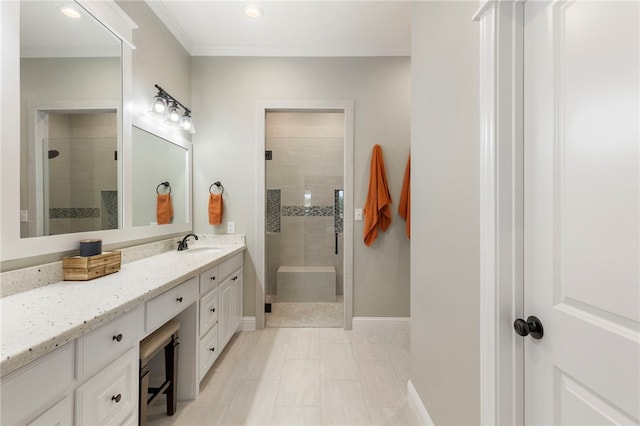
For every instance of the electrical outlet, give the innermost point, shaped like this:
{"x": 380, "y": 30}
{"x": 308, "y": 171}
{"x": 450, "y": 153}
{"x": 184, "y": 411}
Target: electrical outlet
{"x": 24, "y": 215}
{"x": 358, "y": 214}
{"x": 231, "y": 227}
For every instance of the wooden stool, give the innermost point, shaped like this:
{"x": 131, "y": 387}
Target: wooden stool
{"x": 165, "y": 337}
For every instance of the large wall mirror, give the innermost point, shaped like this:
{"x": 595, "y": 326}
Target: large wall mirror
{"x": 68, "y": 168}
{"x": 70, "y": 115}
{"x": 161, "y": 168}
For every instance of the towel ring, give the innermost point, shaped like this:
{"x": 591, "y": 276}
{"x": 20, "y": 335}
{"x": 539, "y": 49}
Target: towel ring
{"x": 165, "y": 184}
{"x": 219, "y": 185}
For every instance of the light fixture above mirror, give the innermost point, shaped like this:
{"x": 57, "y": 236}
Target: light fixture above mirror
{"x": 167, "y": 108}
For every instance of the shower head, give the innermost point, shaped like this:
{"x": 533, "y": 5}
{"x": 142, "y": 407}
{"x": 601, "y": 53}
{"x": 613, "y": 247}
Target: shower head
{"x": 53, "y": 153}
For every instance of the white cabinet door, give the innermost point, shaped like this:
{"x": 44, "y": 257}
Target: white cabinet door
{"x": 582, "y": 212}
{"x": 31, "y": 390}
{"x": 237, "y": 283}
{"x": 60, "y": 414}
{"x": 209, "y": 351}
{"x": 111, "y": 396}
{"x": 239, "y": 295}
{"x": 227, "y": 308}
{"x": 208, "y": 311}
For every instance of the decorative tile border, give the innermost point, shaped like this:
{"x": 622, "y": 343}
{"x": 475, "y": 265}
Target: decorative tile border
{"x": 110, "y": 203}
{"x": 273, "y": 210}
{"x": 338, "y": 217}
{"x": 307, "y": 211}
{"x": 74, "y": 212}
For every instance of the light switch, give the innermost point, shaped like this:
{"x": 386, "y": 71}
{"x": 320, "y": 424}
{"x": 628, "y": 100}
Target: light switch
{"x": 358, "y": 214}
{"x": 231, "y": 227}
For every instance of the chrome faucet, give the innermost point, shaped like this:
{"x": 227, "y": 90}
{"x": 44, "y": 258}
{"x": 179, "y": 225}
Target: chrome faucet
{"x": 182, "y": 245}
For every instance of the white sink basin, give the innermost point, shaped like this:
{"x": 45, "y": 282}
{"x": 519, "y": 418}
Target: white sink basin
{"x": 203, "y": 248}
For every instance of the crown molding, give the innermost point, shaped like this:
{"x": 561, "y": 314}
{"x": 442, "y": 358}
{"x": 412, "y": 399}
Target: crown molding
{"x": 167, "y": 18}
{"x": 297, "y": 51}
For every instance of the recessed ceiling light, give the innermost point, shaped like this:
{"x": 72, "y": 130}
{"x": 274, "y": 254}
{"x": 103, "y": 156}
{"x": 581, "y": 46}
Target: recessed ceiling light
{"x": 69, "y": 11}
{"x": 253, "y": 11}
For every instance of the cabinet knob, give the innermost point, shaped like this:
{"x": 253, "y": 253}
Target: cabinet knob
{"x": 212, "y": 349}
{"x": 117, "y": 398}
{"x": 118, "y": 338}
{"x": 179, "y": 299}
{"x": 212, "y": 278}
{"x": 213, "y": 309}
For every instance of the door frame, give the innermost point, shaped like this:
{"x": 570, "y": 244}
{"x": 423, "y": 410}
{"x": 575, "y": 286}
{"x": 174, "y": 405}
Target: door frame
{"x": 501, "y": 211}
{"x": 347, "y": 108}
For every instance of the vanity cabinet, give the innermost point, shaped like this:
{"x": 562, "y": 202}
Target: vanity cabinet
{"x": 111, "y": 396}
{"x": 220, "y": 309}
{"x": 230, "y": 306}
{"x": 169, "y": 304}
{"x": 36, "y": 389}
{"x": 103, "y": 345}
{"x": 93, "y": 379}
{"x": 86, "y": 374}
{"x": 108, "y": 359}
{"x": 59, "y": 414}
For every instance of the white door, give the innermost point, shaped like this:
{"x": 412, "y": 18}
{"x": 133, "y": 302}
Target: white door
{"x": 582, "y": 211}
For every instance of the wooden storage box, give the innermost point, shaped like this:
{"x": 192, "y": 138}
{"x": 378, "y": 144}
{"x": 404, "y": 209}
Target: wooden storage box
{"x": 78, "y": 268}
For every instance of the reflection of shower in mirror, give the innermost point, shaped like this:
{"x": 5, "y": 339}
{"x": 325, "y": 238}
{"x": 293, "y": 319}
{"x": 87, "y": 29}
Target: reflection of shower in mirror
{"x": 53, "y": 153}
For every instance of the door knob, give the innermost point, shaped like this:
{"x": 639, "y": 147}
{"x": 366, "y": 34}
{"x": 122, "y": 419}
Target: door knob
{"x": 531, "y": 326}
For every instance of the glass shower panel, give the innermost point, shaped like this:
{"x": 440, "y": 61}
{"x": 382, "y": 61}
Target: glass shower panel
{"x": 305, "y": 206}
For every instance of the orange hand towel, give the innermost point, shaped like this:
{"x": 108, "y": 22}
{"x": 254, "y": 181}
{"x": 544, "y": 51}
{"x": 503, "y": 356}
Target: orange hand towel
{"x": 215, "y": 209}
{"x": 404, "y": 210}
{"x": 164, "y": 209}
{"x": 376, "y": 210}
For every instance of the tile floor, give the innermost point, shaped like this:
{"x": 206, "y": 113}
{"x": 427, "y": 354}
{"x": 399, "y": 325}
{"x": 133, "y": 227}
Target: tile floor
{"x": 306, "y": 314}
{"x": 303, "y": 376}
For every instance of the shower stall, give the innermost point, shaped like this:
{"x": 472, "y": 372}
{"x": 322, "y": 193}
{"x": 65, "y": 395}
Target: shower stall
{"x": 304, "y": 217}
{"x": 80, "y": 174}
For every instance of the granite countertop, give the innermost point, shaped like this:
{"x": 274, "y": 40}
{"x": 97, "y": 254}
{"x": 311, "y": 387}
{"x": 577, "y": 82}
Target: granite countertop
{"x": 37, "y": 321}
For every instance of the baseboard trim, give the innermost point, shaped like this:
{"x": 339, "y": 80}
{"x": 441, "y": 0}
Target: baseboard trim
{"x": 418, "y": 406}
{"x": 248, "y": 324}
{"x": 381, "y": 323}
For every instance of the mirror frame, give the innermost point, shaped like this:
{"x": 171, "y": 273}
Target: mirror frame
{"x": 12, "y": 246}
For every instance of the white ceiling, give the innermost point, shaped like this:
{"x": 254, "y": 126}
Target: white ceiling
{"x": 45, "y": 32}
{"x": 289, "y": 28}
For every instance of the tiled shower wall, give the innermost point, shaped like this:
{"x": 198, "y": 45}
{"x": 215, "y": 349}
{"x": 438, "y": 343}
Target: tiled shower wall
{"x": 305, "y": 171}
{"x": 83, "y": 178}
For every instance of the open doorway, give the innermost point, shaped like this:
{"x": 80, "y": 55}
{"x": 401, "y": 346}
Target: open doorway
{"x": 304, "y": 176}
{"x": 305, "y": 234}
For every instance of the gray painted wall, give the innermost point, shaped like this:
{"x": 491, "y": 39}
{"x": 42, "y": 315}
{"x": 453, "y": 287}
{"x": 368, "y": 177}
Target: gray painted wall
{"x": 224, "y": 106}
{"x": 157, "y": 59}
{"x": 445, "y": 298}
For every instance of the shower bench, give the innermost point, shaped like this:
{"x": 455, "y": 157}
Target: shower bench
{"x": 306, "y": 284}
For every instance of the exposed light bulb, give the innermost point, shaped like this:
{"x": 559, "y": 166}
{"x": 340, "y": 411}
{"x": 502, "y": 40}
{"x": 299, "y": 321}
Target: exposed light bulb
{"x": 186, "y": 123}
{"x": 174, "y": 115}
{"x": 69, "y": 11}
{"x": 253, "y": 11}
{"x": 160, "y": 105}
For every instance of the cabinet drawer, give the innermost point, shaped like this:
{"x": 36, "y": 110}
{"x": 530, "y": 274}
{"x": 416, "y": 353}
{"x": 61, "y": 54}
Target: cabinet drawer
{"x": 208, "y": 350}
{"x": 209, "y": 279}
{"x": 164, "y": 307}
{"x": 105, "y": 344}
{"x": 29, "y": 391}
{"x": 111, "y": 396}
{"x": 231, "y": 265}
{"x": 208, "y": 311}
{"x": 60, "y": 414}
